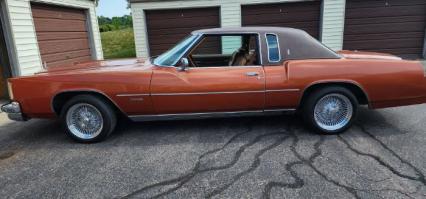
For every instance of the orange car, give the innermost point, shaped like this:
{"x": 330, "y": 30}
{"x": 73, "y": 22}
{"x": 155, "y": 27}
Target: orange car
{"x": 217, "y": 73}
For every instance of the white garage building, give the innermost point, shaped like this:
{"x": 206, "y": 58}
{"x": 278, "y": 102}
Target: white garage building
{"x": 37, "y": 33}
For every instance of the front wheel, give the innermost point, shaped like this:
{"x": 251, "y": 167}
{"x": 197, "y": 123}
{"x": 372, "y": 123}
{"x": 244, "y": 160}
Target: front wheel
{"x": 88, "y": 118}
{"x": 330, "y": 110}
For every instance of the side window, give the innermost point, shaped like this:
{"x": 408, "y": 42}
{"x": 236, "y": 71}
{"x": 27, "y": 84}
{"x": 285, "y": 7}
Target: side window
{"x": 273, "y": 48}
{"x": 225, "y": 50}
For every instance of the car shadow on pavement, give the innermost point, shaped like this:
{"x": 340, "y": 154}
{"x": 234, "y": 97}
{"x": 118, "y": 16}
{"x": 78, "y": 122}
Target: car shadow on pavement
{"x": 168, "y": 132}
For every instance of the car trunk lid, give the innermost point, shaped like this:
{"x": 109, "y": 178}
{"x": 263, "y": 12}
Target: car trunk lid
{"x": 367, "y": 55}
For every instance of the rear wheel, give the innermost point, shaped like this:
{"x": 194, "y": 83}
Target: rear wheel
{"x": 88, "y": 118}
{"x": 330, "y": 110}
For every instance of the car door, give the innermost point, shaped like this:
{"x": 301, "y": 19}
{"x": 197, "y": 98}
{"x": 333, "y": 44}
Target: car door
{"x": 208, "y": 89}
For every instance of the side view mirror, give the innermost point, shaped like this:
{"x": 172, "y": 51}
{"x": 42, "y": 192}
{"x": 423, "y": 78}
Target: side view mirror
{"x": 183, "y": 64}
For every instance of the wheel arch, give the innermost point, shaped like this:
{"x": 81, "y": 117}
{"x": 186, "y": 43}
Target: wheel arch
{"x": 354, "y": 87}
{"x": 60, "y": 98}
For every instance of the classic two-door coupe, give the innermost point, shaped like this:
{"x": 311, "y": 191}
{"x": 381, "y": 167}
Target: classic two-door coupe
{"x": 217, "y": 73}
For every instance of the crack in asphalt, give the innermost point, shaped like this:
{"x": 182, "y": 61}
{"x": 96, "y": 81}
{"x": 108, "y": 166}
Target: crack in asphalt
{"x": 420, "y": 176}
{"x": 180, "y": 181}
{"x": 6, "y": 155}
{"x": 298, "y": 181}
{"x": 310, "y": 162}
{"x": 377, "y": 158}
{"x": 177, "y": 183}
{"x": 252, "y": 167}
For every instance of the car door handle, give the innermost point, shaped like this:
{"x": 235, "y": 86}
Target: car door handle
{"x": 252, "y": 74}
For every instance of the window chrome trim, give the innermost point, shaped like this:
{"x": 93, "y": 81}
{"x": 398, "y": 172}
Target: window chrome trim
{"x": 259, "y": 43}
{"x": 278, "y": 47}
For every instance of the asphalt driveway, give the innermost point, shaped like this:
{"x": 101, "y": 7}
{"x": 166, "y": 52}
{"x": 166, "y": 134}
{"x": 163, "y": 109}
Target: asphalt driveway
{"x": 383, "y": 156}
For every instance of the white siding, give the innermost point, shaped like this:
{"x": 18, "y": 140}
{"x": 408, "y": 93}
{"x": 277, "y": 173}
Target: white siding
{"x": 333, "y": 23}
{"x": 231, "y": 16}
{"x": 24, "y": 37}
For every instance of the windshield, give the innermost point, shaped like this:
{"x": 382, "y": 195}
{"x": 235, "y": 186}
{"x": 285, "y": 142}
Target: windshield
{"x": 171, "y": 57}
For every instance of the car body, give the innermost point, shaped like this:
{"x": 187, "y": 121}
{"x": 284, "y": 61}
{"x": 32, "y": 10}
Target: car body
{"x": 290, "y": 65}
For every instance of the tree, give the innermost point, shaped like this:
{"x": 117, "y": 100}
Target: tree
{"x": 116, "y": 23}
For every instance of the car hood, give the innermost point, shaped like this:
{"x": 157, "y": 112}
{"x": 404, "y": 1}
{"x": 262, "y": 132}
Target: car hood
{"x": 103, "y": 65}
{"x": 367, "y": 55}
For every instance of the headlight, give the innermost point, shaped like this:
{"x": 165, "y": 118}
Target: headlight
{"x": 10, "y": 89}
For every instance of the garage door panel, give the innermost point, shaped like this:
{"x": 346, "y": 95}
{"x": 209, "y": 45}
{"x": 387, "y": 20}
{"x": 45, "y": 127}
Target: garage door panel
{"x": 57, "y": 25}
{"x": 69, "y": 62}
{"x": 181, "y": 13}
{"x": 276, "y": 12}
{"x": 388, "y": 12}
{"x": 42, "y": 11}
{"x": 301, "y": 15}
{"x": 165, "y": 39}
{"x": 381, "y": 20}
{"x": 386, "y": 28}
{"x": 178, "y": 32}
{"x": 390, "y": 26}
{"x": 45, "y": 36}
{"x": 388, "y": 43}
{"x": 184, "y": 23}
{"x": 279, "y": 18}
{"x": 57, "y": 46}
{"x": 167, "y": 27}
{"x": 406, "y": 51}
{"x": 67, "y": 55}
{"x": 305, "y": 25}
{"x": 357, "y": 37}
{"x": 61, "y": 34}
{"x": 380, "y": 3}
{"x": 168, "y": 40}
{"x": 281, "y": 7}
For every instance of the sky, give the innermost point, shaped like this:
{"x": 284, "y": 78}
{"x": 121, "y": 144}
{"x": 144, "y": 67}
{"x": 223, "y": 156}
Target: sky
{"x": 112, "y": 8}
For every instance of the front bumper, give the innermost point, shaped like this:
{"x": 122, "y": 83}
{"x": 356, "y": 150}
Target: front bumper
{"x": 13, "y": 110}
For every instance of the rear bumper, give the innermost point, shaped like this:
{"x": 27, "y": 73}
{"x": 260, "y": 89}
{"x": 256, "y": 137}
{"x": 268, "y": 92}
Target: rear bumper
{"x": 13, "y": 110}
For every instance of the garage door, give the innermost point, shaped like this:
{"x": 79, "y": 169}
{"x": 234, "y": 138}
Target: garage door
{"x": 62, "y": 34}
{"x": 167, "y": 27}
{"x": 390, "y": 26}
{"x": 301, "y": 15}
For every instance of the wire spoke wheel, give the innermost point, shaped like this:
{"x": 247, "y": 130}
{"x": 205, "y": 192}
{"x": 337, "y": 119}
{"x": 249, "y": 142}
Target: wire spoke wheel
{"x": 333, "y": 112}
{"x": 85, "y": 121}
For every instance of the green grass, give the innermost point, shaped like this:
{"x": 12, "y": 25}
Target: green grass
{"x": 118, "y": 44}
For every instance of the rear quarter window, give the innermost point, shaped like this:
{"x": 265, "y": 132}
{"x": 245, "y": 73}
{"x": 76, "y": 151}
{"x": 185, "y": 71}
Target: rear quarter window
{"x": 273, "y": 48}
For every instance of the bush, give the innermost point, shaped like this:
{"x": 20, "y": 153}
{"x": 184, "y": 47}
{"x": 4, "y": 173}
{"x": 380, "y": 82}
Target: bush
{"x": 118, "y": 44}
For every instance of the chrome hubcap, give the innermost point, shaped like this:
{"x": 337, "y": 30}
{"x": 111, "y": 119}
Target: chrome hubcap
{"x": 84, "y": 121}
{"x": 333, "y": 111}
